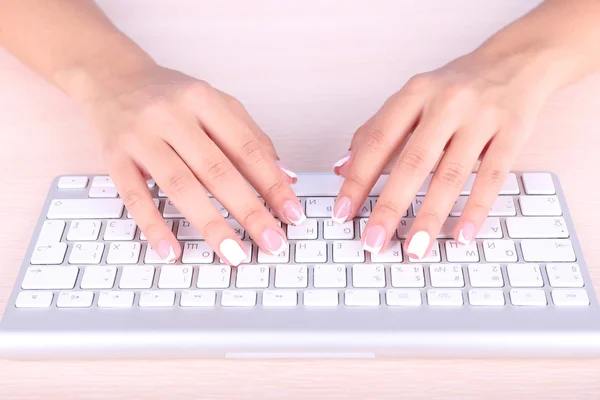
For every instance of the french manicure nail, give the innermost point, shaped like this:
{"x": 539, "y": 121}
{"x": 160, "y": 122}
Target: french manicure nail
{"x": 166, "y": 252}
{"x": 232, "y": 251}
{"x": 286, "y": 170}
{"x": 342, "y": 160}
{"x": 466, "y": 233}
{"x": 374, "y": 238}
{"x": 294, "y": 212}
{"x": 273, "y": 241}
{"x": 418, "y": 244}
{"x": 341, "y": 210}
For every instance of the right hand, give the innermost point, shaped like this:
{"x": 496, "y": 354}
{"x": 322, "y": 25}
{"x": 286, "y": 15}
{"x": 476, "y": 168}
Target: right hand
{"x": 189, "y": 136}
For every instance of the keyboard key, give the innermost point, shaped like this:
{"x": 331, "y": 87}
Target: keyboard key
{"x": 499, "y": 251}
{"x": 84, "y": 230}
{"x": 198, "y": 298}
{"x": 333, "y": 230}
{"x": 446, "y": 275}
{"x": 433, "y": 256}
{"x": 280, "y": 258}
{"x": 239, "y": 231}
{"x": 49, "y": 254}
{"x": 120, "y": 229}
{"x": 123, "y": 253}
{"x": 238, "y": 298}
{"x": 213, "y": 276}
{"x": 485, "y": 275}
{"x": 461, "y": 253}
{"x": 75, "y": 299}
{"x": 157, "y": 298}
{"x": 368, "y": 276}
{"x": 102, "y": 182}
{"x": 197, "y": 253}
{"x": 51, "y": 232}
{"x": 540, "y": 206}
{"x": 137, "y": 277}
{"x": 86, "y": 253}
{"x": 362, "y": 223}
{"x": 504, "y": 206}
{"x": 536, "y": 227}
{"x": 98, "y": 277}
{"x": 407, "y": 275}
{"x": 348, "y": 251}
{"x": 161, "y": 193}
{"x": 321, "y": 298}
{"x": 329, "y": 276}
{"x": 490, "y": 229}
{"x": 399, "y": 297}
{"x": 252, "y": 276}
{"x": 311, "y": 251}
{"x": 280, "y": 298}
{"x": 55, "y": 277}
{"x": 416, "y": 204}
{"x": 449, "y": 297}
{"x": 308, "y": 230}
{"x": 319, "y": 207}
{"x": 362, "y": 297}
{"x": 510, "y": 186}
{"x": 169, "y": 223}
{"x": 151, "y": 183}
{"x": 175, "y": 277}
{"x": 186, "y": 231}
{"x": 72, "y": 182}
{"x": 34, "y": 299}
{"x": 220, "y": 207}
{"x": 548, "y": 250}
{"x": 85, "y": 209}
{"x": 528, "y": 297}
{"x": 156, "y": 203}
{"x": 115, "y": 299}
{"x": 96, "y": 192}
{"x": 170, "y": 211}
{"x": 564, "y": 275}
{"x": 291, "y": 276}
{"x": 391, "y": 254}
{"x": 524, "y": 275}
{"x": 365, "y": 209}
{"x": 486, "y": 297}
{"x": 570, "y": 297}
{"x": 538, "y": 183}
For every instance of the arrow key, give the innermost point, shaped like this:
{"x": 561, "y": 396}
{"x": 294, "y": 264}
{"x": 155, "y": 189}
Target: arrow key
{"x": 33, "y": 299}
{"x": 75, "y": 299}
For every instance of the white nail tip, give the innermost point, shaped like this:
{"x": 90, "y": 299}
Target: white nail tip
{"x": 418, "y": 244}
{"x": 232, "y": 252}
{"x": 281, "y": 249}
{"x": 339, "y": 220}
{"x": 461, "y": 238}
{"x": 299, "y": 221}
{"x": 171, "y": 258}
{"x": 372, "y": 250}
{"x": 341, "y": 161}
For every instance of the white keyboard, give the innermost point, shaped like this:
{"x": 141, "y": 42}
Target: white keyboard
{"x": 91, "y": 286}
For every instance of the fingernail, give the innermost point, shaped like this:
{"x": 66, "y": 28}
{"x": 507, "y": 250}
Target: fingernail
{"x": 293, "y": 211}
{"x": 466, "y": 233}
{"x": 286, "y": 170}
{"x": 374, "y": 238}
{"x": 273, "y": 241}
{"x": 341, "y": 210}
{"x": 232, "y": 252}
{"x": 342, "y": 160}
{"x": 166, "y": 252}
{"x": 418, "y": 244}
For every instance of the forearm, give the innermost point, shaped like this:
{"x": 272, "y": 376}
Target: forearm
{"x": 69, "y": 42}
{"x": 556, "y": 44}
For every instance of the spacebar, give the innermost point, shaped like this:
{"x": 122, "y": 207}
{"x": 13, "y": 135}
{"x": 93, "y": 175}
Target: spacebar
{"x": 85, "y": 208}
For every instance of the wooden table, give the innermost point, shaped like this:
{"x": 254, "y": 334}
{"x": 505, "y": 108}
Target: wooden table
{"x": 42, "y": 134}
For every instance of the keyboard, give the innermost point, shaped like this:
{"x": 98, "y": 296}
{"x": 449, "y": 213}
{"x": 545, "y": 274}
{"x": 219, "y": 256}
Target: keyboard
{"x": 90, "y": 286}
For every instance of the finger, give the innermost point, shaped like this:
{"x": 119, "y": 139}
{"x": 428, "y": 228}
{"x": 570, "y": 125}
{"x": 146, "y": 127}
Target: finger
{"x": 491, "y": 175}
{"x": 448, "y": 180}
{"x": 189, "y": 196}
{"x": 412, "y": 167}
{"x": 389, "y": 128}
{"x": 134, "y": 192}
{"x": 240, "y": 145}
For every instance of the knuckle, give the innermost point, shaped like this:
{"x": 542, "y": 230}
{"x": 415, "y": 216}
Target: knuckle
{"x": 356, "y": 181}
{"x": 252, "y": 151}
{"x": 477, "y": 207}
{"x": 453, "y": 174}
{"x": 220, "y": 171}
{"x": 413, "y": 160}
{"x": 252, "y": 215}
{"x": 214, "y": 227}
{"x": 131, "y": 199}
{"x": 390, "y": 208}
{"x": 492, "y": 177}
{"x": 439, "y": 221}
{"x": 199, "y": 91}
{"x": 274, "y": 189}
{"x": 419, "y": 83}
{"x": 179, "y": 184}
{"x": 374, "y": 140}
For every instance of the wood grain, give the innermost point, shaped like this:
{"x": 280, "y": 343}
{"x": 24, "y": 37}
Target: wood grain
{"x": 310, "y": 76}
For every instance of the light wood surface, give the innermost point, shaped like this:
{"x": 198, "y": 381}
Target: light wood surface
{"x": 310, "y": 74}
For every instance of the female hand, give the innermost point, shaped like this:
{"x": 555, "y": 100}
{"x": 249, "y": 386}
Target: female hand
{"x": 189, "y": 137}
{"x": 472, "y": 108}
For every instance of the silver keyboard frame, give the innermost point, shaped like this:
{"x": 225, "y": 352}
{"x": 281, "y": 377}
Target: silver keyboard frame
{"x": 301, "y": 332}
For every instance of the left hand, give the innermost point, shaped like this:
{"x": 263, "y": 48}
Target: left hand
{"x": 472, "y": 108}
